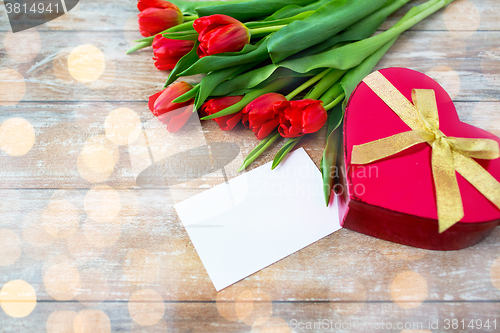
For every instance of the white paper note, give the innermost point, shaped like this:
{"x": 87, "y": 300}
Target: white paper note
{"x": 258, "y": 218}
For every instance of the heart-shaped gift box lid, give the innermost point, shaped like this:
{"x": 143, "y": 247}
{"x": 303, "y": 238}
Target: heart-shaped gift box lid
{"x": 404, "y": 182}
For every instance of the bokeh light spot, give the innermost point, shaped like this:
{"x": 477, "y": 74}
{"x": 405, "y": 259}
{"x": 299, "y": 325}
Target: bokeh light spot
{"x": 12, "y": 87}
{"x": 97, "y": 160}
{"x": 17, "y": 136}
{"x": 122, "y": 126}
{"x": 92, "y": 321}
{"x": 146, "y": 307}
{"x": 62, "y": 280}
{"x": 253, "y": 307}
{"x": 495, "y": 273}
{"x": 10, "y": 248}
{"x": 462, "y": 18}
{"x": 17, "y": 298}
{"x": 86, "y": 63}
{"x": 409, "y": 289}
{"x": 61, "y": 322}
{"x": 346, "y": 290}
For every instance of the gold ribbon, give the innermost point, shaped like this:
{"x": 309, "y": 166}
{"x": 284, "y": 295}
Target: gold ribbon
{"x": 449, "y": 154}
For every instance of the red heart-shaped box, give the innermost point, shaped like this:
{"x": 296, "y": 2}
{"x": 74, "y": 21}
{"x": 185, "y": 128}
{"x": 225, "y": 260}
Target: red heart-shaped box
{"x": 394, "y": 198}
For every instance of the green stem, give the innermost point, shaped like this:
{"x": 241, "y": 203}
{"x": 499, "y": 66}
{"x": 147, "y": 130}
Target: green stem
{"x": 181, "y": 27}
{"x": 271, "y": 87}
{"x": 188, "y": 18}
{"x": 324, "y": 84}
{"x": 284, "y": 151}
{"x": 257, "y": 151}
{"x": 145, "y": 42}
{"x": 307, "y": 84}
{"x": 332, "y": 93}
{"x": 335, "y": 102}
{"x": 138, "y": 46}
{"x": 265, "y": 31}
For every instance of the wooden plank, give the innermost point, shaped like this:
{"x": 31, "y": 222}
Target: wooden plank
{"x": 275, "y": 317}
{"x": 145, "y": 245}
{"x": 472, "y": 74}
{"x": 94, "y": 15}
{"x": 62, "y": 130}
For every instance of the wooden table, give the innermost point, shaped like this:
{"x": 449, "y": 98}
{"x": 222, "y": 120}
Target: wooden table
{"x": 100, "y": 254}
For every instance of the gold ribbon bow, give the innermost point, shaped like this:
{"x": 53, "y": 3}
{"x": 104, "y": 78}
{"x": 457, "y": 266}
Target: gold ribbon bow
{"x": 449, "y": 154}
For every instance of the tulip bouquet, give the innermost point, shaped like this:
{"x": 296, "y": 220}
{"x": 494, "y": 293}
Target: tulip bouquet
{"x": 259, "y": 55}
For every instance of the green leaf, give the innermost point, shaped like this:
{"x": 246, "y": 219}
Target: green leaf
{"x": 181, "y": 35}
{"x": 283, "y": 21}
{"x": 292, "y": 10}
{"x": 329, "y": 159}
{"x": 189, "y": 7}
{"x": 259, "y": 149}
{"x": 213, "y": 79}
{"x": 183, "y": 64}
{"x": 186, "y": 26}
{"x": 351, "y": 55}
{"x": 246, "y": 80}
{"x": 250, "y": 10}
{"x": 354, "y": 76}
{"x": 324, "y": 23}
{"x": 256, "y": 77}
{"x": 251, "y": 53}
{"x": 284, "y": 151}
{"x": 271, "y": 87}
{"x": 349, "y": 82}
{"x": 358, "y": 31}
{"x": 188, "y": 95}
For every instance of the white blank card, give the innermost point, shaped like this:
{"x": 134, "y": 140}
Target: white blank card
{"x": 258, "y": 218}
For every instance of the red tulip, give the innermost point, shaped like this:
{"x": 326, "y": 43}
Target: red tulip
{"x": 157, "y": 15}
{"x": 260, "y": 116}
{"x": 300, "y": 117}
{"x": 215, "y": 105}
{"x": 169, "y": 51}
{"x": 220, "y": 33}
{"x": 174, "y": 115}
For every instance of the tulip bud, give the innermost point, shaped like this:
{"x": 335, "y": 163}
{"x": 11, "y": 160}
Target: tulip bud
{"x": 297, "y": 118}
{"x": 157, "y": 15}
{"x": 167, "y": 52}
{"x": 215, "y": 105}
{"x": 260, "y": 116}
{"x": 174, "y": 115}
{"x": 220, "y": 33}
